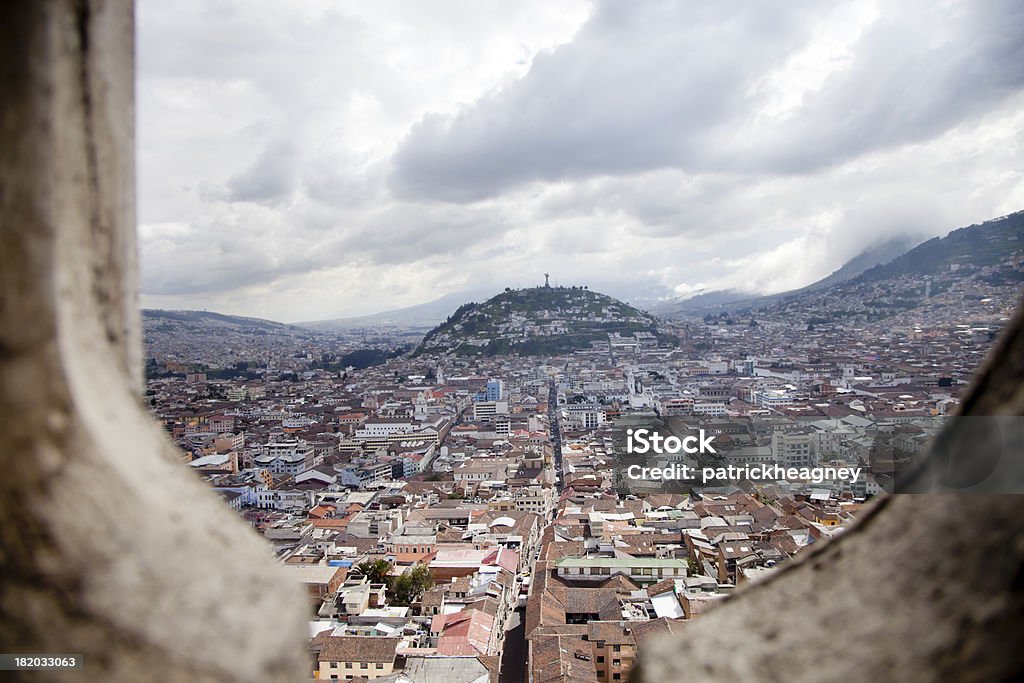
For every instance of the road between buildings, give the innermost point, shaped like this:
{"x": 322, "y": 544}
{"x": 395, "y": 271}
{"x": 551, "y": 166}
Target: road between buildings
{"x": 513, "y": 660}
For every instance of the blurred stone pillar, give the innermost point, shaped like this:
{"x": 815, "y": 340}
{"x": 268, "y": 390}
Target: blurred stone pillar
{"x": 108, "y": 545}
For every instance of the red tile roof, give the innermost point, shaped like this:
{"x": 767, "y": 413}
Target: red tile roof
{"x": 463, "y": 633}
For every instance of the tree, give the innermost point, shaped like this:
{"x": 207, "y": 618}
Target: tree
{"x": 408, "y": 587}
{"x": 378, "y": 571}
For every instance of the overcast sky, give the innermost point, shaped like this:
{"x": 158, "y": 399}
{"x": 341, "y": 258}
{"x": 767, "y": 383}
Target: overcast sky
{"x": 306, "y": 160}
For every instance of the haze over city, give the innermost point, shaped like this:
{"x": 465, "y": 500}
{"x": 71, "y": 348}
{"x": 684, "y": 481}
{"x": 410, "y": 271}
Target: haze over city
{"x": 311, "y": 160}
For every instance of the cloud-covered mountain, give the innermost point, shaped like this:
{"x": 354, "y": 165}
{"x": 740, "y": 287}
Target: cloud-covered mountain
{"x": 987, "y": 252}
{"x": 869, "y": 258}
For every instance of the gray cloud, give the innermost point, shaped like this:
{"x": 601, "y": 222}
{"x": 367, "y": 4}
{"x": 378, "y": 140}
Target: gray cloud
{"x": 406, "y": 233}
{"x": 918, "y": 71}
{"x": 652, "y": 85}
{"x": 272, "y": 178}
{"x": 634, "y": 91}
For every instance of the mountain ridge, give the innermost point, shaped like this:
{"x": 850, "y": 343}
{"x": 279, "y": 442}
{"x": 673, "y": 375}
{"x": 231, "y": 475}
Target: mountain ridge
{"x": 968, "y": 247}
{"x": 154, "y": 315}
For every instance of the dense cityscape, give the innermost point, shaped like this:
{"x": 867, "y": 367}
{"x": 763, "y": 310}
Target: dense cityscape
{"x": 467, "y": 516}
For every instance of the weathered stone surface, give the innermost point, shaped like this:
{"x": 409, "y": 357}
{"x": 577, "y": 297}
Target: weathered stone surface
{"x": 108, "y": 546}
{"x": 927, "y": 587}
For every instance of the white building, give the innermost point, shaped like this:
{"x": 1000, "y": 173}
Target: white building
{"x": 797, "y": 448}
{"x": 485, "y": 411}
{"x": 287, "y": 457}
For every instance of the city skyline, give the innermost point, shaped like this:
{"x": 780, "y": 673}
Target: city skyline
{"x": 314, "y": 162}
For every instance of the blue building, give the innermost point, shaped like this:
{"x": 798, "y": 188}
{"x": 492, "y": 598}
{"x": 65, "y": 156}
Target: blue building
{"x": 494, "y": 390}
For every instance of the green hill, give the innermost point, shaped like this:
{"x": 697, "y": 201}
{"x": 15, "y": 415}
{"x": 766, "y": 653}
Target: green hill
{"x": 538, "y": 321}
